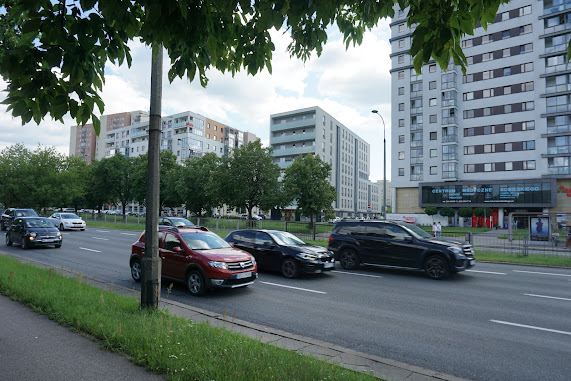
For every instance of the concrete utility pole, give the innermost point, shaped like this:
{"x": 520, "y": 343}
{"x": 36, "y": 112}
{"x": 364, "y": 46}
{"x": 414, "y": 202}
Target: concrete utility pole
{"x": 151, "y": 264}
{"x": 384, "y": 211}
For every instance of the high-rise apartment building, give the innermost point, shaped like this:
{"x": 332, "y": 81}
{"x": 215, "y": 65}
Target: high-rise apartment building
{"x": 314, "y": 131}
{"x": 499, "y": 136}
{"x": 186, "y": 134}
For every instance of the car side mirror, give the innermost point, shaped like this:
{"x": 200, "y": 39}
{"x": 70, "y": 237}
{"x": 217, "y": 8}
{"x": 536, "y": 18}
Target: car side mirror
{"x": 408, "y": 238}
{"x": 231, "y": 244}
{"x": 177, "y": 249}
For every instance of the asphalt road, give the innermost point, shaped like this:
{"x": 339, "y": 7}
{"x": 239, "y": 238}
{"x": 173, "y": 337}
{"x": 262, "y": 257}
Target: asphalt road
{"x": 495, "y": 322}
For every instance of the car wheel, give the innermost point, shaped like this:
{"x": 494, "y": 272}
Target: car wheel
{"x": 82, "y": 230}
{"x": 61, "y": 227}
{"x": 436, "y": 267}
{"x": 8, "y": 240}
{"x": 195, "y": 283}
{"x": 136, "y": 270}
{"x": 2, "y": 226}
{"x": 289, "y": 268}
{"x": 24, "y": 243}
{"x": 349, "y": 259}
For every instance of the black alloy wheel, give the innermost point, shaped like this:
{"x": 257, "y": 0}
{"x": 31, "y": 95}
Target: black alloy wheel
{"x": 436, "y": 267}
{"x": 8, "y": 240}
{"x": 349, "y": 259}
{"x": 136, "y": 270}
{"x": 195, "y": 283}
{"x": 24, "y": 243}
{"x": 289, "y": 268}
{"x": 61, "y": 227}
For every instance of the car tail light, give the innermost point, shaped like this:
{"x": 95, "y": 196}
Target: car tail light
{"x": 330, "y": 239}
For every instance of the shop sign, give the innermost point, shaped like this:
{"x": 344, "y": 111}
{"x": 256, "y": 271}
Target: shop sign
{"x": 562, "y": 189}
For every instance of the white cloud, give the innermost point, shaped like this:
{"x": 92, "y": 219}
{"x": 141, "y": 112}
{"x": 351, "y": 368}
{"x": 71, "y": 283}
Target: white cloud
{"x": 348, "y": 84}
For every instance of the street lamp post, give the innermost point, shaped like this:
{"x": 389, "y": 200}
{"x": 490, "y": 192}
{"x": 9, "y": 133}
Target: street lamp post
{"x": 384, "y": 211}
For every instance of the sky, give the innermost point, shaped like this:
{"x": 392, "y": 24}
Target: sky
{"x": 346, "y": 83}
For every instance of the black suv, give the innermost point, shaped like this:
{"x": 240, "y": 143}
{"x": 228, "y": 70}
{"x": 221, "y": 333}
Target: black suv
{"x": 11, "y": 213}
{"x": 398, "y": 244}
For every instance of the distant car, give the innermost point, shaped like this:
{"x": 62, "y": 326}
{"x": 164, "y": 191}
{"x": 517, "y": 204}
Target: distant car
{"x": 33, "y": 231}
{"x": 66, "y": 221}
{"x": 11, "y": 213}
{"x": 276, "y": 250}
{"x": 174, "y": 221}
{"x": 199, "y": 258}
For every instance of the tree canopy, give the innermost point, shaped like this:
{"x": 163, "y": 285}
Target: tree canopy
{"x": 306, "y": 181}
{"x": 53, "y": 53}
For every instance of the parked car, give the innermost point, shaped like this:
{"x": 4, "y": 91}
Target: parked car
{"x": 11, "y": 213}
{"x": 276, "y": 250}
{"x": 199, "y": 258}
{"x": 398, "y": 244}
{"x": 175, "y": 221}
{"x": 244, "y": 216}
{"x": 67, "y": 221}
{"x": 33, "y": 231}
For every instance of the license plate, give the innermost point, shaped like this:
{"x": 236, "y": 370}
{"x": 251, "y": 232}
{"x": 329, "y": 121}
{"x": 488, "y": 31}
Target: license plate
{"x": 472, "y": 262}
{"x": 328, "y": 265}
{"x": 244, "y": 275}
{"x": 47, "y": 240}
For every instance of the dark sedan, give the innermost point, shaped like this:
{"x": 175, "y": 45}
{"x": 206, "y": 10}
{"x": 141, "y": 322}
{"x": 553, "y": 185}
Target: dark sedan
{"x": 276, "y": 250}
{"x": 33, "y": 231}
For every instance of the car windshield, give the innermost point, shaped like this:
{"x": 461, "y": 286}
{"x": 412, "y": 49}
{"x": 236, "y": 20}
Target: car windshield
{"x": 26, "y": 213}
{"x": 69, "y": 216}
{"x": 204, "y": 241}
{"x": 287, "y": 239}
{"x": 178, "y": 222}
{"x": 416, "y": 231}
{"x": 39, "y": 223}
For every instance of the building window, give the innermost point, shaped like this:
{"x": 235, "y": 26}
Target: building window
{"x": 401, "y": 171}
{"x": 433, "y": 119}
{"x": 401, "y": 122}
{"x": 401, "y": 43}
{"x": 508, "y": 147}
{"x": 508, "y": 166}
{"x": 432, "y": 68}
{"x": 529, "y": 165}
{"x": 401, "y": 27}
{"x": 401, "y": 90}
{"x": 469, "y": 168}
{"x": 401, "y": 75}
{"x": 433, "y": 170}
{"x": 433, "y": 135}
{"x": 401, "y": 155}
{"x": 432, "y": 85}
{"x": 433, "y": 152}
{"x": 401, "y": 106}
{"x": 432, "y": 102}
{"x": 401, "y": 138}
{"x": 400, "y": 59}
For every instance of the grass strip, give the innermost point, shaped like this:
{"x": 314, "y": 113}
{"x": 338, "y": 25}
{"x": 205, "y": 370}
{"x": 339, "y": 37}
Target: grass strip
{"x": 174, "y": 346}
{"x": 531, "y": 259}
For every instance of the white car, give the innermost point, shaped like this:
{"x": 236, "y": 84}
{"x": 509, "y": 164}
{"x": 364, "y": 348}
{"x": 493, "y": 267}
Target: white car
{"x": 64, "y": 221}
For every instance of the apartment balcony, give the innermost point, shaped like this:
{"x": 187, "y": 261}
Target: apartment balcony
{"x": 416, "y": 160}
{"x": 415, "y": 177}
{"x": 557, "y": 28}
{"x": 558, "y": 8}
{"x": 449, "y": 103}
{"x": 558, "y": 89}
{"x": 416, "y": 94}
{"x": 558, "y": 108}
{"x": 300, "y": 137}
{"x": 138, "y": 133}
{"x": 450, "y": 156}
{"x": 416, "y": 110}
{"x": 449, "y": 138}
{"x": 557, "y": 130}
{"x": 449, "y": 120}
{"x": 294, "y": 151}
{"x": 450, "y": 175}
{"x": 557, "y": 68}
{"x": 293, "y": 124}
{"x": 559, "y": 171}
{"x": 416, "y": 127}
{"x": 558, "y": 150}
{"x": 448, "y": 85}
{"x": 416, "y": 143}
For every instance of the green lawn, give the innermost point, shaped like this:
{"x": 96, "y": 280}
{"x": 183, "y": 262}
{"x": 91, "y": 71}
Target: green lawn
{"x": 176, "y": 347}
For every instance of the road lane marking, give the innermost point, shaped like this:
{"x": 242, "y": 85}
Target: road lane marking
{"x": 536, "y": 272}
{"x": 128, "y": 233}
{"x": 548, "y": 297}
{"x": 294, "y": 288}
{"x": 346, "y": 272}
{"x": 102, "y": 239}
{"x": 531, "y": 327}
{"x": 102, "y": 231}
{"x": 486, "y": 272}
{"x": 95, "y": 251}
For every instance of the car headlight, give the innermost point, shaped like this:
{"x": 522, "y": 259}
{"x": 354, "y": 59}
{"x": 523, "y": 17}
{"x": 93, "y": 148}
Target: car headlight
{"x": 218, "y": 265}
{"x": 457, "y": 251}
{"x": 307, "y": 257}
{"x": 59, "y": 234}
{"x": 32, "y": 234}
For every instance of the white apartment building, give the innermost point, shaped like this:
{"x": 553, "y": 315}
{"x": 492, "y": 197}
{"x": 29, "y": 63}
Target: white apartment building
{"x": 499, "y": 136}
{"x": 314, "y": 131}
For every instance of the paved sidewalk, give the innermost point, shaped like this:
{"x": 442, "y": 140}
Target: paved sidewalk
{"x": 32, "y": 347}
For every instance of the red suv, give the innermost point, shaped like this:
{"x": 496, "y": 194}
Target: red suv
{"x": 199, "y": 258}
